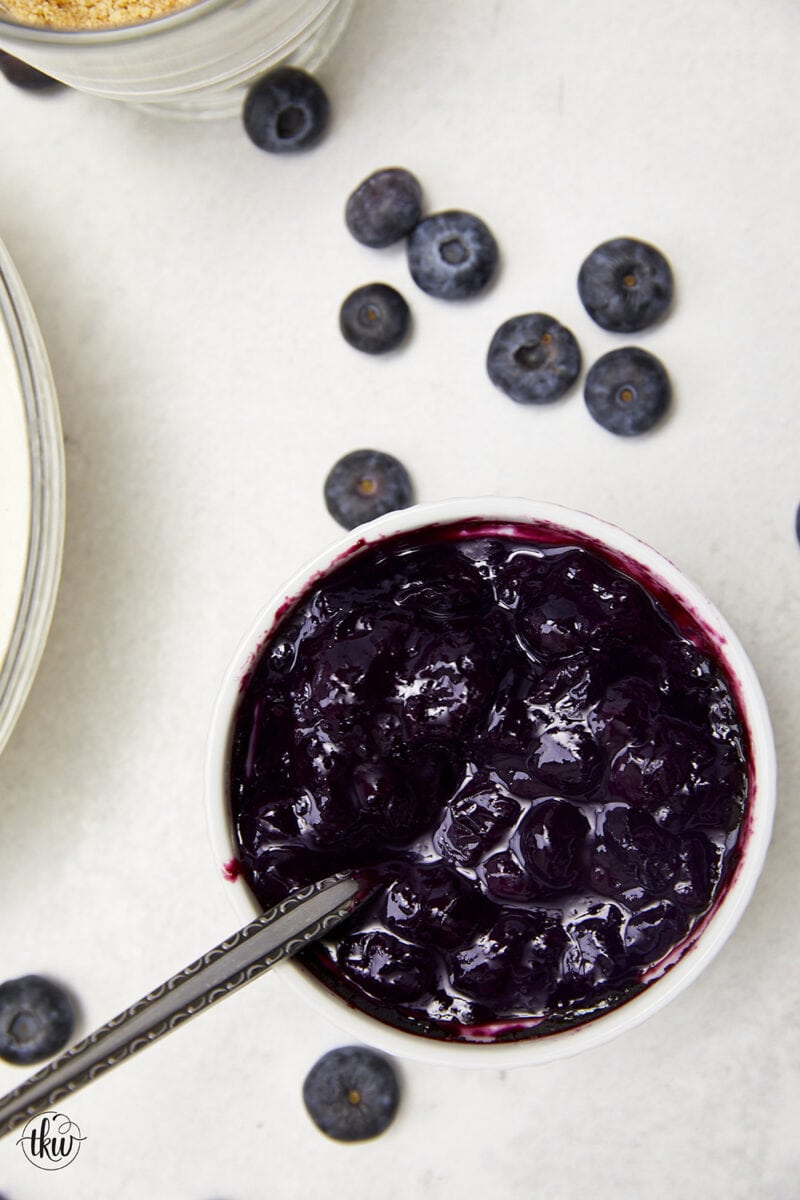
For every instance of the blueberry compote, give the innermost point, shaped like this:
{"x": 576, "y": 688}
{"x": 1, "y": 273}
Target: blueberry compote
{"x": 542, "y": 757}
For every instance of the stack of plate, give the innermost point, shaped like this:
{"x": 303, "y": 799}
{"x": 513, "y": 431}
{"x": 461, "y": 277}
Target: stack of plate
{"x": 31, "y": 495}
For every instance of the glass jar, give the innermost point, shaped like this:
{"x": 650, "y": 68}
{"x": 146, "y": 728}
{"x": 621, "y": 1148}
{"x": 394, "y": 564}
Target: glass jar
{"x": 195, "y": 62}
{"x": 31, "y": 496}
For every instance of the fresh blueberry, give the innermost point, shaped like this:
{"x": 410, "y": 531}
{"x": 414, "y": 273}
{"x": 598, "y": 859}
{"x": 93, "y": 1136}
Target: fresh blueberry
{"x": 533, "y": 359}
{"x": 22, "y": 75}
{"x": 366, "y": 484}
{"x": 452, "y": 255}
{"x": 374, "y": 318}
{"x": 627, "y": 391}
{"x": 36, "y": 1019}
{"x": 285, "y": 110}
{"x": 797, "y": 522}
{"x": 384, "y": 207}
{"x": 352, "y": 1094}
{"x": 625, "y": 285}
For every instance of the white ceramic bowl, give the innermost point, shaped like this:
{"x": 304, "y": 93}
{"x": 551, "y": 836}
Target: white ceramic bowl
{"x": 709, "y": 934}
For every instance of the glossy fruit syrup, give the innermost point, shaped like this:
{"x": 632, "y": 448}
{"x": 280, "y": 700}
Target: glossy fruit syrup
{"x": 541, "y": 755}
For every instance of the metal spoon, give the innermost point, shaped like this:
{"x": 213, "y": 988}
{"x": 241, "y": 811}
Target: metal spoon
{"x": 278, "y": 933}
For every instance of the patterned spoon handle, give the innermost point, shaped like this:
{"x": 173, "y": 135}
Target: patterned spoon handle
{"x": 278, "y": 933}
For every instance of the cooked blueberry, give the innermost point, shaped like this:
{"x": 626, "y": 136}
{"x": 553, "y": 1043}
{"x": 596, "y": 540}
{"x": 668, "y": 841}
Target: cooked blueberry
{"x": 386, "y": 967}
{"x": 563, "y": 681}
{"x": 452, "y": 255}
{"x": 625, "y": 285}
{"x": 329, "y": 820}
{"x": 533, "y": 359}
{"x": 473, "y": 823}
{"x": 278, "y": 870}
{"x": 523, "y": 578}
{"x": 374, "y": 318}
{"x": 566, "y": 759}
{"x": 23, "y": 75}
{"x": 624, "y": 712}
{"x": 36, "y": 1019}
{"x": 433, "y": 772}
{"x": 537, "y": 959}
{"x": 274, "y": 820}
{"x": 718, "y": 791}
{"x": 594, "y": 955}
{"x": 657, "y": 771}
{"x": 343, "y": 674}
{"x": 366, "y": 484}
{"x": 352, "y": 1094}
{"x": 285, "y": 110}
{"x": 690, "y": 685}
{"x": 697, "y": 873}
{"x": 505, "y": 880}
{"x": 652, "y": 931}
{"x": 388, "y": 808}
{"x": 384, "y": 207}
{"x": 456, "y": 1011}
{"x": 452, "y": 590}
{"x": 442, "y": 683}
{"x": 517, "y": 960}
{"x": 625, "y": 608}
{"x": 434, "y": 905}
{"x": 482, "y": 969}
{"x": 551, "y": 842}
{"x": 627, "y": 391}
{"x": 634, "y": 859}
{"x": 557, "y": 625}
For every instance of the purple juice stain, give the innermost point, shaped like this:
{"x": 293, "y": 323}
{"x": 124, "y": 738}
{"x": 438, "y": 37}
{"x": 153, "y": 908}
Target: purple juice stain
{"x": 536, "y": 747}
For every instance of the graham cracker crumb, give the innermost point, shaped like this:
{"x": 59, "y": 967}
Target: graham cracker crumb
{"x": 88, "y": 14}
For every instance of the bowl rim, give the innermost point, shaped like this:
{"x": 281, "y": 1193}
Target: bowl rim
{"x": 715, "y": 927}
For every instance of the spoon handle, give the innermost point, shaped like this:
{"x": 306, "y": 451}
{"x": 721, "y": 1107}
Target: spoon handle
{"x": 278, "y": 933}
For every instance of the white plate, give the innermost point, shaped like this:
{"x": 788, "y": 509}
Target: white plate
{"x": 31, "y": 495}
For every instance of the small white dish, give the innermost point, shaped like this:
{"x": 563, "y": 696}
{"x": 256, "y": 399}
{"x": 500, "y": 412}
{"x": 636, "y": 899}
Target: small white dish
{"x": 31, "y": 496}
{"x": 708, "y": 935}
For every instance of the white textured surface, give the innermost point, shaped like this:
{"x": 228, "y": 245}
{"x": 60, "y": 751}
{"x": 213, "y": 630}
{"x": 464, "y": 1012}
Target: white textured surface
{"x": 187, "y": 287}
